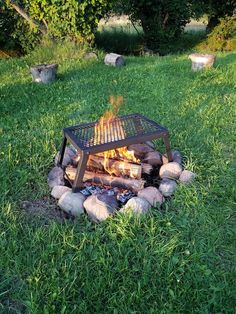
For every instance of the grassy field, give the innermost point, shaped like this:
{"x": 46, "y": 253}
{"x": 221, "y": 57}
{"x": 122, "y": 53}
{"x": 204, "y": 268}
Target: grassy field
{"x": 181, "y": 259}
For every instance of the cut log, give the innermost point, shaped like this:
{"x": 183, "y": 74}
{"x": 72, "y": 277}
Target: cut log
{"x": 130, "y": 184}
{"x": 114, "y": 60}
{"x": 201, "y": 61}
{"x": 44, "y": 73}
{"x": 115, "y": 167}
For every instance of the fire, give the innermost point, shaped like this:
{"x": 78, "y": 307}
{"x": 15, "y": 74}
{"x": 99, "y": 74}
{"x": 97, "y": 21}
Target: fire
{"x": 110, "y": 129}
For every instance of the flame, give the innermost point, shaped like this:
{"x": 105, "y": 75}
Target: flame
{"x": 107, "y": 129}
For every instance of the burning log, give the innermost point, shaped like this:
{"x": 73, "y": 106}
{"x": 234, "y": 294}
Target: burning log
{"x": 134, "y": 185}
{"x": 117, "y": 167}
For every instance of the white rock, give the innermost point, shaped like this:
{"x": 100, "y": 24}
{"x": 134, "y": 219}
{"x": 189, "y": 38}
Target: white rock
{"x": 72, "y": 203}
{"x": 167, "y": 187}
{"x": 172, "y": 170}
{"x": 56, "y": 177}
{"x": 100, "y": 207}
{"x": 187, "y": 177}
{"x": 152, "y": 195}
{"x": 59, "y": 190}
{"x": 138, "y": 205}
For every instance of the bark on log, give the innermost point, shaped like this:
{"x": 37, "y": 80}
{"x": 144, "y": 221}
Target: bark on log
{"x": 130, "y": 184}
{"x": 116, "y": 167}
{"x": 44, "y": 73}
{"x": 114, "y": 60}
{"x": 201, "y": 61}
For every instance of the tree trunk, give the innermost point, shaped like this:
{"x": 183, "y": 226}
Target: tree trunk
{"x": 212, "y": 22}
{"x": 26, "y": 16}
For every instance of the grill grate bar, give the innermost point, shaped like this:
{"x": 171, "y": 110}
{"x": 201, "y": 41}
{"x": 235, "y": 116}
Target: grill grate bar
{"x": 119, "y": 129}
{"x": 92, "y": 138}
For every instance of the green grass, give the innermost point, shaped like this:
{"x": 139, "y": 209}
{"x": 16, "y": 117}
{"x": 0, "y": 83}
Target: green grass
{"x": 180, "y": 259}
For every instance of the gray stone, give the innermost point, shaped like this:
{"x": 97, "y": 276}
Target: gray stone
{"x": 56, "y": 177}
{"x": 172, "y": 170}
{"x": 72, "y": 203}
{"x": 59, "y": 190}
{"x": 153, "y": 158}
{"x": 90, "y": 55}
{"x": 137, "y": 205}
{"x": 152, "y": 195}
{"x": 147, "y": 52}
{"x": 151, "y": 144}
{"x": 99, "y": 207}
{"x": 68, "y": 158}
{"x": 187, "y": 177}
{"x": 140, "y": 150}
{"x": 176, "y": 157}
{"x": 167, "y": 187}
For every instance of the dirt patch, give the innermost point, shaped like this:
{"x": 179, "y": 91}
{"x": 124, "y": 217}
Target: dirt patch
{"x": 44, "y": 209}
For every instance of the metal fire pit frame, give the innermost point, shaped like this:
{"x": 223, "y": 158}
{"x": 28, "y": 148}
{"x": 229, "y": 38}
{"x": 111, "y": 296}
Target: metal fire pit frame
{"x": 143, "y": 129}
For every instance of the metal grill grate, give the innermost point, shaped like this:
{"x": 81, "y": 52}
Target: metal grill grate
{"x": 92, "y": 138}
{"x": 117, "y": 129}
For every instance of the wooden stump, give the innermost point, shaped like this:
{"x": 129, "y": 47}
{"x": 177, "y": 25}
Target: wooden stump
{"x": 201, "y": 61}
{"x": 44, "y": 73}
{"x": 114, "y": 60}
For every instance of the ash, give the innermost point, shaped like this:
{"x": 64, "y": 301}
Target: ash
{"x": 121, "y": 195}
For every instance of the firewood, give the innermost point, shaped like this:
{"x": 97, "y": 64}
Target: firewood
{"x": 130, "y": 184}
{"x": 115, "y": 167}
{"x": 114, "y": 60}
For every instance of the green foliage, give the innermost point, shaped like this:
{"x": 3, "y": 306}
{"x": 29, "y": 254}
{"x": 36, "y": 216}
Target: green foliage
{"x": 7, "y": 28}
{"x": 222, "y": 37}
{"x": 214, "y": 9}
{"x": 57, "y": 52}
{"x": 180, "y": 259}
{"x": 74, "y": 19}
{"x": 162, "y": 21}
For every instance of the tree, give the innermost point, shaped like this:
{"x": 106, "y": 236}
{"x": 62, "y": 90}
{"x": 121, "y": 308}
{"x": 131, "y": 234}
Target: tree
{"x": 161, "y": 20}
{"x": 58, "y": 19}
{"x": 215, "y": 9}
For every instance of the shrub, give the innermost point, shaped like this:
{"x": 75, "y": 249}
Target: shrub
{"x": 76, "y": 20}
{"x": 222, "y": 37}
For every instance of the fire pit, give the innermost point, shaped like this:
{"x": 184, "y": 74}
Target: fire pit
{"x": 113, "y": 166}
{"x": 107, "y": 135}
